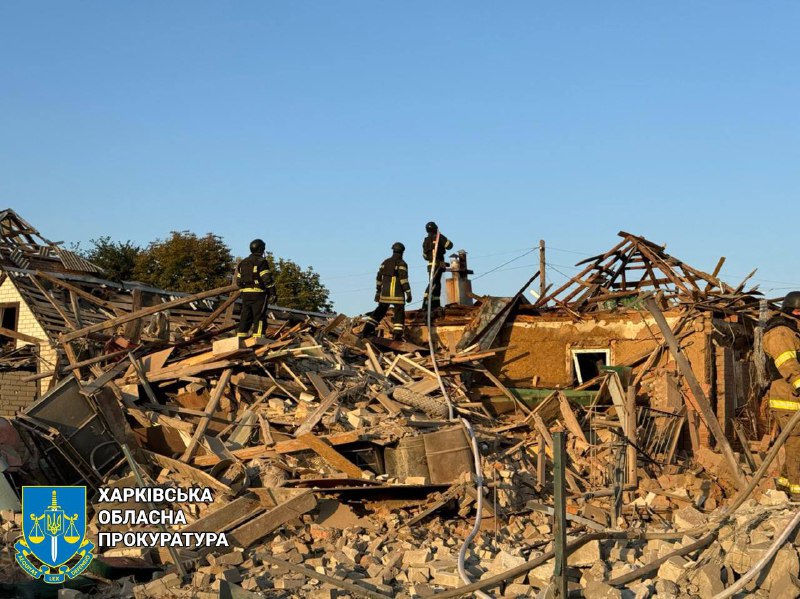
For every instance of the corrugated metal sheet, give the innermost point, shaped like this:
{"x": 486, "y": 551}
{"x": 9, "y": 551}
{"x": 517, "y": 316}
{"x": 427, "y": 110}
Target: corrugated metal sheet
{"x": 74, "y": 262}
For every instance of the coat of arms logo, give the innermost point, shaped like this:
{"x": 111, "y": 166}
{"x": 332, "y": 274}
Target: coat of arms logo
{"x": 54, "y": 531}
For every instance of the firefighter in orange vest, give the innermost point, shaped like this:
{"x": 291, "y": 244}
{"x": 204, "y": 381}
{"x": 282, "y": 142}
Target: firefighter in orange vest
{"x": 392, "y": 289}
{"x": 437, "y": 242}
{"x": 782, "y": 343}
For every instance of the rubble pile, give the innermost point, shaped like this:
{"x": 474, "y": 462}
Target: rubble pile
{"x": 336, "y": 468}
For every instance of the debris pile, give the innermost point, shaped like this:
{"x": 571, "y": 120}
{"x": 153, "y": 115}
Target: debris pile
{"x": 336, "y": 469}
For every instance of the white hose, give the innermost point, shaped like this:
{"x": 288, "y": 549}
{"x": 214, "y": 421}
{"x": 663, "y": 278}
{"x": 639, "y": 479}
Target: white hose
{"x": 462, "y": 554}
{"x": 462, "y": 572}
{"x": 430, "y": 331}
{"x": 759, "y": 565}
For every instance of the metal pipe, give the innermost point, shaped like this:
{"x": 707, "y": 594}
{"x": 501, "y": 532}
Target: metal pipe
{"x": 462, "y": 572}
{"x": 759, "y": 565}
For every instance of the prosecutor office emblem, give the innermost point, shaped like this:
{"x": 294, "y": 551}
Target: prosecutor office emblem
{"x": 53, "y": 533}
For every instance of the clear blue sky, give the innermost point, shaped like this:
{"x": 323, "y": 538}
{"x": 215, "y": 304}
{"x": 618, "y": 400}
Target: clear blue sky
{"x": 332, "y": 129}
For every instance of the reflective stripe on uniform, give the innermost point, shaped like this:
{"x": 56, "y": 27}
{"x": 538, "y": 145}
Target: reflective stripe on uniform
{"x": 385, "y": 299}
{"x": 782, "y": 481}
{"x": 784, "y": 404}
{"x": 242, "y": 334}
{"x": 392, "y": 286}
{"x": 785, "y": 357}
{"x": 796, "y": 382}
{"x": 253, "y": 290}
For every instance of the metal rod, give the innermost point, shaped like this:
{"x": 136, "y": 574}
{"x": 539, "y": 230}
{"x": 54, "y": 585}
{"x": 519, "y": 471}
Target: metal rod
{"x": 560, "y": 513}
{"x": 140, "y": 481}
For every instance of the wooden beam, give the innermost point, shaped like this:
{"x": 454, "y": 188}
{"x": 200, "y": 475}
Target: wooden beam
{"x": 21, "y": 336}
{"x": 70, "y": 324}
{"x": 76, "y": 290}
{"x": 114, "y": 322}
{"x": 301, "y": 501}
{"x": 216, "y": 313}
{"x": 569, "y": 418}
{"x": 706, "y": 410}
{"x": 317, "y": 414}
{"x": 193, "y": 474}
{"x": 222, "y": 384}
{"x": 330, "y": 455}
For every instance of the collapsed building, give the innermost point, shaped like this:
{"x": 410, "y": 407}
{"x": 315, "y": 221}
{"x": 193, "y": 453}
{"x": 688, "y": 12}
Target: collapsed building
{"x": 621, "y": 408}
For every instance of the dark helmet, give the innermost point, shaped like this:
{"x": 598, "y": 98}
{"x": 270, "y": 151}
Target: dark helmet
{"x": 257, "y": 246}
{"x": 791, "y": 301}
{"x": 398, "y": 248}
{"x": 431, "y": 227}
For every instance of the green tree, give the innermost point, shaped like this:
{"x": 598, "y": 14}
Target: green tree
{"x": 189, "y": 263}
{"x": 116, "y": 258}
{"x": 299, "y": 288}
{"x": 185, "y": 262}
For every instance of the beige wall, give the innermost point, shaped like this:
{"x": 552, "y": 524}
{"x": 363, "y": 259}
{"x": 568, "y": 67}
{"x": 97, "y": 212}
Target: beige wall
{"x": 28, "y": 325}
{"x": 540, "y": 347}
{"x": 14, "y": 393}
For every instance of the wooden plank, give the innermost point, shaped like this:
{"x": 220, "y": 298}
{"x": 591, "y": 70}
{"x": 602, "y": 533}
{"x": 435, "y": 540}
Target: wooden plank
{"x": 114, "y": 322}
{"x": 485, "y": 372}
{"x": 260, "y": 526}
{"x": 373, "y": 359}
{"x": 319, "y": 384}
{"x": 133, "y": 329}
{"x": 280, "y": 448}
{"x": 195, "y": 475}
{"x": 169, "y": 374}
{"x": 317, "y": 414}
{"x": 21, "y": 336}
{"x": 330, "y": 455}
{"x": 76, "y": 290}
{"x": 227, "y": 516}
{"x": 391, "y": 406}
{"x": 569, "y": 418}
{"x": 219, "y": 390}
{"x": 216, "y": 313}
{"x": 706, "y": 410}
{"x": 57, "y": 308}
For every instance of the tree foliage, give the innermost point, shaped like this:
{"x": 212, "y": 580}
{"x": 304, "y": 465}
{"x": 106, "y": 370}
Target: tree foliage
{"x": 116, "y": 258}
{"x": 299, "y": 288}
{"x": 185, "y": 262}
{"x": 190, "y": 263}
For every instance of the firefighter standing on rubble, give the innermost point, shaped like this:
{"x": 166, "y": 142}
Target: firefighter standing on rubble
{"x": 254, "y": 278}
{"x": 392, "y": 289}
{"x": 438, "y": 243}
{"x": 782, "y": 343}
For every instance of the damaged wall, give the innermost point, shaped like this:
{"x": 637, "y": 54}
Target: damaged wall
{"x": 15, "y": 394}
{"x": 540, "y": 346}
{"x": 28, "y": 325}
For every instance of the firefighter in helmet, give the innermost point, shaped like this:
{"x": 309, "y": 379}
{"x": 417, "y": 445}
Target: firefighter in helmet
{"x": 433, "y": 248}
{"x": 782, "y": 343}
{"x": 391, "y": 289}
{"x": 254, "y": 278}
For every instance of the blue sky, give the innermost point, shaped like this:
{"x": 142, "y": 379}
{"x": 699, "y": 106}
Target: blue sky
{"x": 334, "y": 129}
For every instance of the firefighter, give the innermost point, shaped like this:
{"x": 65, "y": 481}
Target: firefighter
{"x": 254, "y": 278}
{"x": 437, "y": 242}
{"x": 391, "y": 289}
{"x": 781, "y": 343}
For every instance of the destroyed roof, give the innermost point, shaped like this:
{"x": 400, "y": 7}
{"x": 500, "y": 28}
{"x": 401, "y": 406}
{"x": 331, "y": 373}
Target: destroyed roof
{"x": 22, "y": 246}
{"x": 66, "y": 292}
{"x": 617, "y": 278}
